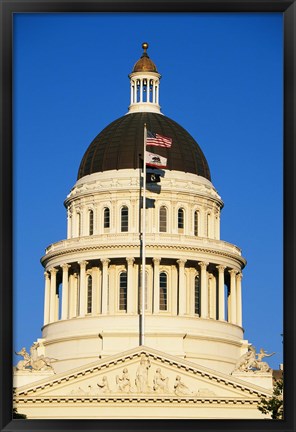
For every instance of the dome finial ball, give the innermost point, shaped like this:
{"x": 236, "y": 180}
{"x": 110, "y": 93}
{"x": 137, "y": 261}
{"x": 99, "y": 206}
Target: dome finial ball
{"x": 145, "y": 46}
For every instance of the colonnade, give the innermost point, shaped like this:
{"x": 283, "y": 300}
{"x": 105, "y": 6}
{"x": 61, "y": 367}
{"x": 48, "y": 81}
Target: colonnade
{"x": 145, "y": 89}
{"x": 219, "y": 289}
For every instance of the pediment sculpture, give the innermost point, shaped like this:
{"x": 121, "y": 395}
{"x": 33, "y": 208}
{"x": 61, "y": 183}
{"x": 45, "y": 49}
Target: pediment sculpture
{"x": 252, "y": 361}
{"x": 33, "y": 362}
{"x": 142, "y": 378}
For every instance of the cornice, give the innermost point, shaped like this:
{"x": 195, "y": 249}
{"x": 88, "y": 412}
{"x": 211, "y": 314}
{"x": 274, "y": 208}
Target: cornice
{"x": 139, "y": 399}
{"x": 158, "y": 247}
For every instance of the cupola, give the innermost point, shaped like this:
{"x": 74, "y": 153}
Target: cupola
{"x": 144, "y": 84}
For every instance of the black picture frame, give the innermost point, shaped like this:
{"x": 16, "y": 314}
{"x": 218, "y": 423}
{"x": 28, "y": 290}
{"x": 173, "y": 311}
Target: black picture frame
{"x": 7, "y": 9}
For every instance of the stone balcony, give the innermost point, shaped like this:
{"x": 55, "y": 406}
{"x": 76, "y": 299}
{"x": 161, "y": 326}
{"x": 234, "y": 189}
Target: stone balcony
{"x": 133, "y": 239}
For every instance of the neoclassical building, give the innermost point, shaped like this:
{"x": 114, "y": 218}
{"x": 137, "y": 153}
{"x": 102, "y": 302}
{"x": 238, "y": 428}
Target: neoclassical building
{"x": 192, "y": 360}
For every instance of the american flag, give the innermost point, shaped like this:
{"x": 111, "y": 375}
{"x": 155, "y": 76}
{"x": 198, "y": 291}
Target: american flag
{"x": 154, "y": 139}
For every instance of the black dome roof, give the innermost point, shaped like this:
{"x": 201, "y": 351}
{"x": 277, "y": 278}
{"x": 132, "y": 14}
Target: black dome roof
{"x": 119, "y": 145}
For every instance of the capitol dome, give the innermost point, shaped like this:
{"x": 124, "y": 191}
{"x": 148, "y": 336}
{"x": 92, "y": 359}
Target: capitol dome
{"x": 119, "y": 145}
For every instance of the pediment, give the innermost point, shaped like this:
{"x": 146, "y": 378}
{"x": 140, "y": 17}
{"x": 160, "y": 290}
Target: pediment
{"x": 141, "y": 373}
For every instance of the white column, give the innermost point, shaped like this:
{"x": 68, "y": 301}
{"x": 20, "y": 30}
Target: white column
{"x": 182, "y": 287}
{"x": 204, "y": 289}
{"x": 82, "y": 288}
{"x": 69, "y": 220}
{"x": 65, "y": 292}
{"x": 232, "y": 296}
{"x": 212, "y": 295}
{"x": 132, "y": 101}
{"x": 141, "y": 90}
{"x": 221, "y": 293}
{"x": 105, "y": 263}
{"x": 239, "y": 318}
{"x": 192, "y": 292}
{"x": 156, "y": 262}
{"x": 130, "y": 292}
{"x": 53, "y": 290}
{"x": 95, "y": 287}
{"x": 57, "y": 300}
{"x": 46, "y": 298}
{"x": 153, "y": 92}
{"x": 75, "y": 294}
{"x": 157, "y": 92}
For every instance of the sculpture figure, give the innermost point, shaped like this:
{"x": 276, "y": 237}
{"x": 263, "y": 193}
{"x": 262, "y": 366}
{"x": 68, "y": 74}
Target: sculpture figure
{"x": 104, "y": 385}
{"x": 33, "y": 361}
{"x": 160, "y": 383}
{"x": 246, "y": 360}
{"x": 252, "y": 361}
{"x": 142, "y": 374}
{"x": 23, "y": 364}
{"x": 261, "y": 365}
{"x": 124, "y": 382}
{"x": 180, "y": 388}
{"x": 39, "y": 362}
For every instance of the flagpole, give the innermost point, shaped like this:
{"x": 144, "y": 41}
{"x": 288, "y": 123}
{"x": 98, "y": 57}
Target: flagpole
{"x": 142, "y": 335}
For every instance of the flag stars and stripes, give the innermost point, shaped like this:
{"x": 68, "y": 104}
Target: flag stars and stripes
{"x": 155, "y": 139}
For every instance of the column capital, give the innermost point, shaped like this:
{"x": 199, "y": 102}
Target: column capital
{"x": 156, "y": 261}
{"x": 83, "y": 263}
{"x": 105, "y": 261}
{"x": 220, "y": 268}
{"x": 65, "y": 266}
{"x": 181, "y": 262}
{"x": 203, "y": 264}
{"x": 239, "y": 276}
{"x": 130, "y": 260}
{"x": 232, "y": 272}
{"x": 46, "y": 275}
{"x": 53, "y": 270}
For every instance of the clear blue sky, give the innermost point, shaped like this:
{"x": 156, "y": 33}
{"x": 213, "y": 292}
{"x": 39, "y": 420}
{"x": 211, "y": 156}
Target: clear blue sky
{"x": 222, "y": 80}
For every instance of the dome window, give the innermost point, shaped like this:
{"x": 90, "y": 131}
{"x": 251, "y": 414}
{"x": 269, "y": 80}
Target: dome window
{"x": 91, "y": 222}
{"x": 163, "y": 219}
{"x": 89, "y": 294}
{"x": 124, "y": 219}
{"x": 106, "y": 218}
{"x": 181, "y": 220}
{"x": 163, "y": 278}
{"x": 123, "y": 291}
{"x": 196, "y": 217}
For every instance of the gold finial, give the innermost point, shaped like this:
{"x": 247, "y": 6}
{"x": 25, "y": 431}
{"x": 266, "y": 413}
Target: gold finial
{"x": 145, "y": 46}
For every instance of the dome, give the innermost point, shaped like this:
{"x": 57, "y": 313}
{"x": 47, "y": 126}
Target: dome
{"x": 145, "y": 64}
{"x": 119, "y": 145}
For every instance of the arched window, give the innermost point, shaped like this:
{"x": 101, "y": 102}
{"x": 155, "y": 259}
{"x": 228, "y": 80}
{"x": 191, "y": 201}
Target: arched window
{"x": 123, "y": 291}
{"x": 197, "y": 295}
{"x": 163, "y": 219}
{"x": 91, "y": 222}
{"x": 181, "y": 220}
{"x": 124, "y": 219}
{"x": 89, "y": 294}
{"x": 106, "y": 218}
{"x": 196, "y": 223}
{"x": 163, "y": 291}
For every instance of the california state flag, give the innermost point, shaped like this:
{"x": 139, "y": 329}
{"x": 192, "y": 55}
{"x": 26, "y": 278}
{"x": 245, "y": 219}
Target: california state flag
{"x": 155, "y": 160}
